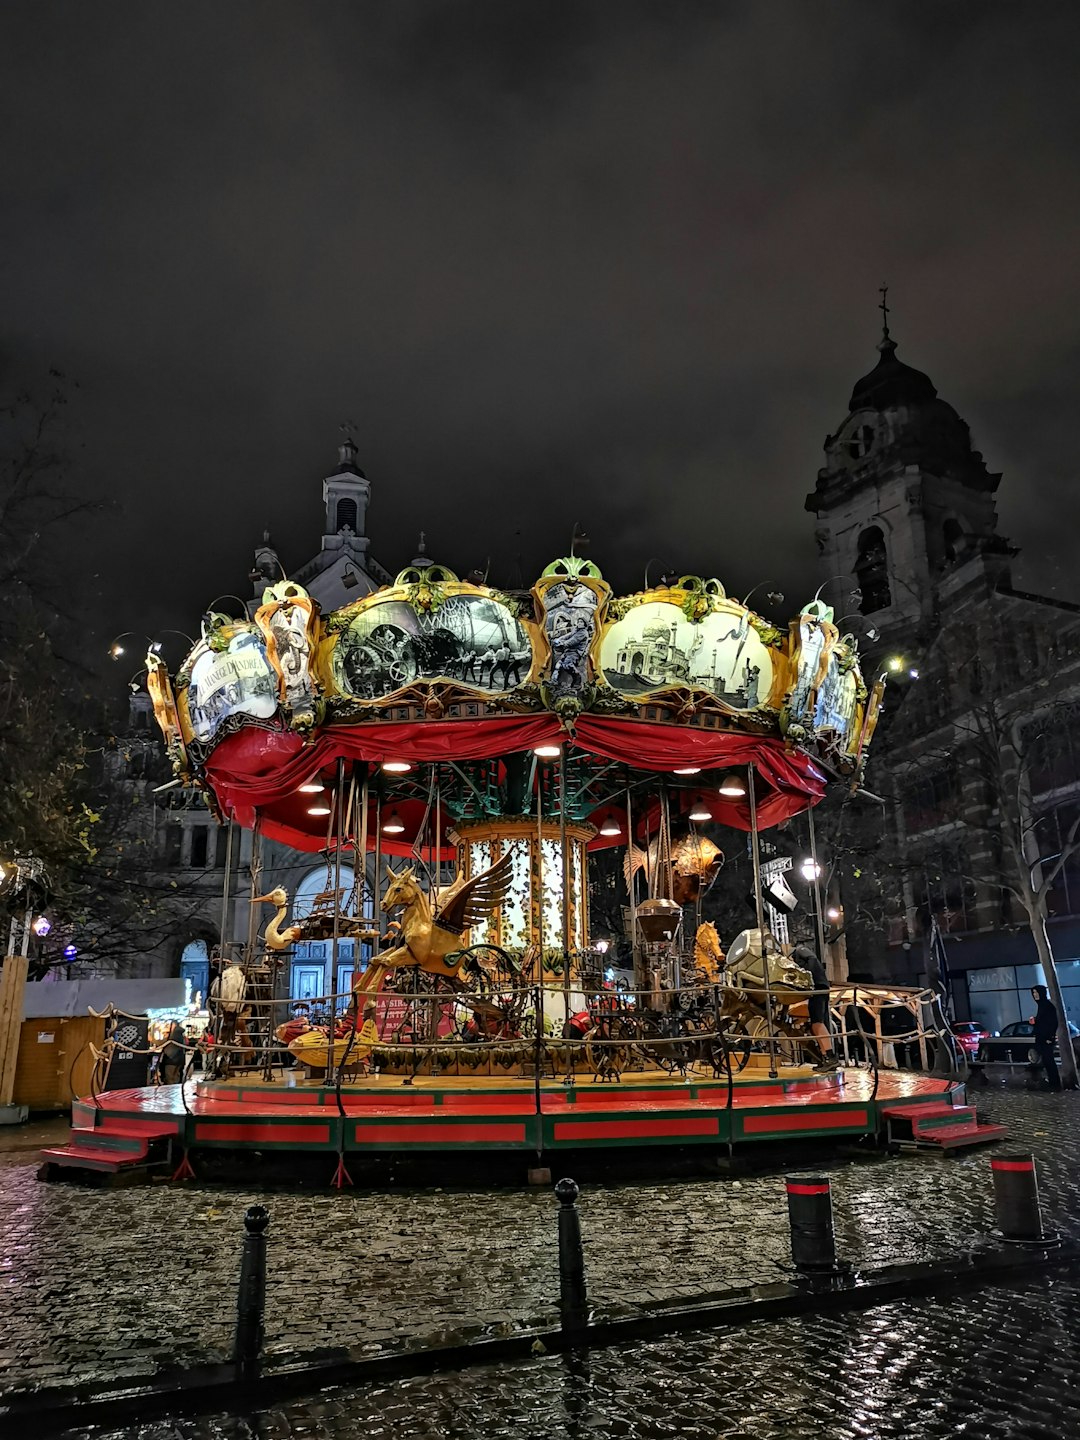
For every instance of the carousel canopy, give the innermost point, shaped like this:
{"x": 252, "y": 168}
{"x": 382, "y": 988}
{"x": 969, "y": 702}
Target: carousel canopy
{"x": 494, "y": 691}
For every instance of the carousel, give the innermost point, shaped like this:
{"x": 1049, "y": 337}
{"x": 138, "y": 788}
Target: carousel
{"x": 472, "y": 759}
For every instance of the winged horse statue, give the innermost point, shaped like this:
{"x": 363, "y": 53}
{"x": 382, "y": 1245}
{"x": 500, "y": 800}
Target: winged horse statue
{"x": 429, "y": 936}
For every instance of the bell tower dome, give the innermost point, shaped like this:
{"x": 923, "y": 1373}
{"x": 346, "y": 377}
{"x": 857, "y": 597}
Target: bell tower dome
{"x": 905, "y": 504}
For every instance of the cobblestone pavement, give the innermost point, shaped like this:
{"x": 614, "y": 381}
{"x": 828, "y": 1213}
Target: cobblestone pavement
{"x": 98, "y": 1283}
{"x": 1000, "y": 1365}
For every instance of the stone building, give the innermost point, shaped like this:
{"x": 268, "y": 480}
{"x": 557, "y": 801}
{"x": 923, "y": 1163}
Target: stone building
{"x": 913, "y": 564}
{"x": 193, "y": 851}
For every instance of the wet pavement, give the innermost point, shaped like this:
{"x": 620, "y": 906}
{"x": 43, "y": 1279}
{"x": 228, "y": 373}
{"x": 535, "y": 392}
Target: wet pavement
{"x": 100, "y": 1283}
{"x": 996, "y": 1366}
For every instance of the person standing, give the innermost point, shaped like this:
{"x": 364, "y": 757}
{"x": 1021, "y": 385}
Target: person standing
{"x": 1045, "y": 1021}
{"x": 818, "y": 1008}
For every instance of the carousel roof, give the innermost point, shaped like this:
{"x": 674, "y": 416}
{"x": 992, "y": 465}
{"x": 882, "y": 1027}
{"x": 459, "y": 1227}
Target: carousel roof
{"x": 447, "y": 676}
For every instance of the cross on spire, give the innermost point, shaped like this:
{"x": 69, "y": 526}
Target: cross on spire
{"x": 883, "y": 291}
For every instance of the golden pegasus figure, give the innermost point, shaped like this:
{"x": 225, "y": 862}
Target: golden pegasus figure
{"x": 430, "y": 936}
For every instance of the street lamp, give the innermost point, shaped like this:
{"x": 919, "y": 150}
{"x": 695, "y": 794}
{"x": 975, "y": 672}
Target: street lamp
{"x": 809, "y": 869}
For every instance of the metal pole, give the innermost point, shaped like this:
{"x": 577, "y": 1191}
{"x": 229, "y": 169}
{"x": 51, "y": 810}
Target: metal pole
{"x": 339, "y": 816}
{"x": 251, "y": 1299}
{"x": 565, "y": 907}
{"x": 635, "y": 940}
{"x": 755, "y": 851}
{"x": 540, "y": 889}
{"x": 376, "y": 896}
{"x": 225, "y": 888}
{"x": 573, "y": 1299}
{"x": 819, "y": 916}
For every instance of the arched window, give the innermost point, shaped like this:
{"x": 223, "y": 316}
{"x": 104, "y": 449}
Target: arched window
{"x": 346, "y": 514}
{"x": 872, "y": 571}
{"x": 861, "y": 442}
{"x": 955, "y": 541}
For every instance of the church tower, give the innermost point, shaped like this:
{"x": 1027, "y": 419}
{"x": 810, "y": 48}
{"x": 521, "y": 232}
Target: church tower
{"x": 905, "y": 505}
{"x": 345, "y": 495}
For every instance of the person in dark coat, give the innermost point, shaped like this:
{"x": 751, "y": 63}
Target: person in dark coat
{"x": 818, "y": 1007}
{"x": 172, "y": 1056}
{"x": 1046, "y": 1028}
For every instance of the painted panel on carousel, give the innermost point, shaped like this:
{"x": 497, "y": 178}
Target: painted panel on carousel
{"x": 439, "y": 630}
{"x": 813, "y": 639}
{"x": 695, "y": 641}
{"x": 229, "y": 675}
{"x": 570, "y": 594}
{"x": 837, "y": 702}
{"x": 287, "y": 621}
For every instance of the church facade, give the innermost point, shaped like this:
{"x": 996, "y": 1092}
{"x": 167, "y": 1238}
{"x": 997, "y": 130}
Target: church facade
{"x": 975, "y": 758}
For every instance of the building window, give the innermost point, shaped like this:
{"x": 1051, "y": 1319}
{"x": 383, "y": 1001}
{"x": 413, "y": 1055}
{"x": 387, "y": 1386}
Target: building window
{"x": 1051, "y": 745}
{"x": 954, "y": 540}
{"x": 930, "y": 799}
{"x": 861, "y": 442}
{"x": 945, "y": 892}
{"x": 872, "y": 571}
{"x": 1063, "y": 897}
{"x": 199, "y": 840}
{"x": 346, "y": 515}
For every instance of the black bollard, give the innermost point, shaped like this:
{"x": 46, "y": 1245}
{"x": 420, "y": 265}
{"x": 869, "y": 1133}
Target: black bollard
{"x": 1016, "y": 1200}
{"x": 809, "y": 1199}
{"x": 573, "y": 1301}
{"x": 251, "y": 1298}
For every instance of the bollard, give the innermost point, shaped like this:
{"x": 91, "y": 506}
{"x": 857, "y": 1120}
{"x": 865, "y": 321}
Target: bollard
{"x": 809, "y": 1199}
{"x": 573, "y": 1301}
{"x": 251, "y": 1298}
{"x": 1016, "y": 1200}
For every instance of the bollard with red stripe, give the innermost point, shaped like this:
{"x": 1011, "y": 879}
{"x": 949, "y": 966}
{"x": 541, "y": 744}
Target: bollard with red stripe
{"x": 1016, "y": 1200}
{"x": 813, "y": 1247}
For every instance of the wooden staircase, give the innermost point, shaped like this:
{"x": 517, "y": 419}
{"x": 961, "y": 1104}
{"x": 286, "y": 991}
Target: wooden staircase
{"x": 937, "y": 1125}
{"x": 111, "y": 1148}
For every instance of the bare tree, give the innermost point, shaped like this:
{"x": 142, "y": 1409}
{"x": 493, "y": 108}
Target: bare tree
{"x": 1009, "y": 720}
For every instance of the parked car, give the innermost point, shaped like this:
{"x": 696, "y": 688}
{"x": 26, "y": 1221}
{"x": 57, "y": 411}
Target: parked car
{"x": 1014, "y": 1044}
{"x": 969, "y": 1036}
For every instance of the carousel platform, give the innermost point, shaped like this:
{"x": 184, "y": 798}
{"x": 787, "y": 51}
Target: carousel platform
{"x": 382, "y": 1116}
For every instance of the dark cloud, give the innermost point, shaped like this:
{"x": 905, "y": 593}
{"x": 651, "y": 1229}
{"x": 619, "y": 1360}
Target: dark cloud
{"x": 609, "y": 262}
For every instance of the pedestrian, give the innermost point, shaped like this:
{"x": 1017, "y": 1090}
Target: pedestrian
{"x": 1045, "y": 1021}
{"x": 818, "y": 1007}
{"x": 171, "y": 1063}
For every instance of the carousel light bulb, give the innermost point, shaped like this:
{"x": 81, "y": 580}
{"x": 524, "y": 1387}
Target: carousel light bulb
{"x": 688, "y": 770}
{"x": 547, "y": 752}
{"x": 396, "y": 767}
{"x": 393, "y": 824}
{"x": 318, "y": 810}
{"x": 610, "y": 825}
{"x": 313, "y": 787}
{"x": 116, "y": 651}
{"x": 896, "y": 663}
{"x": 732, "y": 787}
{"x": 699, "y": 811}
{"x": 41, "y": 926}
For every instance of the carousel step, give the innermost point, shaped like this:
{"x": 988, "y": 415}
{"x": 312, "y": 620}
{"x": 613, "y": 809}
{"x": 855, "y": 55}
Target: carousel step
{"x": 77, "y": 1157}
{"x": 112, "y": 1146}
{"x": 956, "y": 1137}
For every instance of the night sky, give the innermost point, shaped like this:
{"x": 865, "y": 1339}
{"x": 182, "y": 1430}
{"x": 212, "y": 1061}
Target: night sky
{"x": 613, "y": 263}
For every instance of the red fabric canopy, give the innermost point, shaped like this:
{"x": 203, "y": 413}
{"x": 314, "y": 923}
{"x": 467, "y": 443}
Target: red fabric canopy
{"x": 260, "y": 771}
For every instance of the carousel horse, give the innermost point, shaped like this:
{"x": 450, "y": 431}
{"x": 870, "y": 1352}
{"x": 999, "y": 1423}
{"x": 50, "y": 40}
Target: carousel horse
{"x": 695, "y": 863}
{"x": 430, "y": 936}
